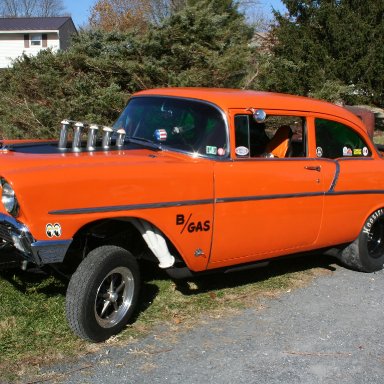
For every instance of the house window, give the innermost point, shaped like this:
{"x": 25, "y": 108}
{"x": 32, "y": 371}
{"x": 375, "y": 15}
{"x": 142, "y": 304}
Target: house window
{"x": 36, "y": 39}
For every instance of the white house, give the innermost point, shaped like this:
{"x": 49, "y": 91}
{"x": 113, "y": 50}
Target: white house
{"x": 31, "y": 34}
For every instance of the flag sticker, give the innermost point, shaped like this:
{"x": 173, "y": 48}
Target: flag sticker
{"x": 161, "y": 135}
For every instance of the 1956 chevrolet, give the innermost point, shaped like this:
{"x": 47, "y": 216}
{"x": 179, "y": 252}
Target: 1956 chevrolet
{"x": 194, "y": 180}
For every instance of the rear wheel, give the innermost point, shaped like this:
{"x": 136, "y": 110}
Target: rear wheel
{"x": 366, "y": 253}
{"x": 103, "y": 292}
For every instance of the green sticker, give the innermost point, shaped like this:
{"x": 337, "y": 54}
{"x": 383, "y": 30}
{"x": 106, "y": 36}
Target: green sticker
{"x": 211, "y": 150}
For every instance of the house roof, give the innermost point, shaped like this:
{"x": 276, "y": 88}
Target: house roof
{"x": 32, "y": 23}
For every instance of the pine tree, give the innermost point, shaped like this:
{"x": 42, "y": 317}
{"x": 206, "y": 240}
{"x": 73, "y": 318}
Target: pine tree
{"x": 204, "y": 44}
{"x": 331, "y": 49}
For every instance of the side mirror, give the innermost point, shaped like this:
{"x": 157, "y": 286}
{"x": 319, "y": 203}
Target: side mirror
{"x": 259, "y": 115}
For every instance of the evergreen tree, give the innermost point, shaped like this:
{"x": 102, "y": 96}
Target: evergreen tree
{"x": 205, "y": 44}
{"x": 329, "y": 48}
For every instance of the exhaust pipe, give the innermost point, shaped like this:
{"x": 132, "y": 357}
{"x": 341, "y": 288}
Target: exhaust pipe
{"x": 78, "y": 130}
{"x": 120, "y": 138}
{"x": 92, "y": 137}
{"x": 107, "y": 136}
{"x": 63, "y": 141}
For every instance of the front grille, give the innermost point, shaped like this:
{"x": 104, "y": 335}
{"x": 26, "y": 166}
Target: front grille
{"x": 5, "y": 233}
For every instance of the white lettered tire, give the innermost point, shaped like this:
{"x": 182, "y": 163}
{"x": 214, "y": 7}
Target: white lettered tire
{"x": 366, "y": 253}
{"x": 103, "y": 292}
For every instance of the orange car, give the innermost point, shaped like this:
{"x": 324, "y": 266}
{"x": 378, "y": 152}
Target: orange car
{"x": 193, "y": 180}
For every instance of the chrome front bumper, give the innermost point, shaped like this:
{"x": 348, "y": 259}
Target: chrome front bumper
{"x": 16, "y": 234}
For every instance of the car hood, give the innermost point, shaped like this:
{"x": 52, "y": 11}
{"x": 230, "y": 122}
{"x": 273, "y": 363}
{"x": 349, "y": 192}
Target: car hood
{"x": 36, "y": 157}
{"x": 47, "y": 181}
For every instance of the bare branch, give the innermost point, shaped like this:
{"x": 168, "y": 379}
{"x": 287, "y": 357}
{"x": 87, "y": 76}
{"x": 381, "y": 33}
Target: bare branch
{"x": 31, "y": 8}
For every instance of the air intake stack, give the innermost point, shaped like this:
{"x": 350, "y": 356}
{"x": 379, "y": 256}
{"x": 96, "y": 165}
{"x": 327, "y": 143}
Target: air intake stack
{"x": 77, "y": 132}
{"x": 65, "y": 124}
{"x": 120, "y": 138}
{"x": 92, "y": 137}
{"x": 107, "y": 136}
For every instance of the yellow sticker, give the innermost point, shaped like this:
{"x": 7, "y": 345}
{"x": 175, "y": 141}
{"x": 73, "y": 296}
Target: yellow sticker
{"x": 357, "y": 152}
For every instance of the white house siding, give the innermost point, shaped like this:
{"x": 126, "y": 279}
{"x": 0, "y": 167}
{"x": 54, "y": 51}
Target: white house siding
{"x": 12, "y": 46}
{"x": 53, "y": 41}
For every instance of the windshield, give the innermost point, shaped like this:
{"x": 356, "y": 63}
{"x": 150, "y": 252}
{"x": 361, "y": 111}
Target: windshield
{"x": 185, "y": 125}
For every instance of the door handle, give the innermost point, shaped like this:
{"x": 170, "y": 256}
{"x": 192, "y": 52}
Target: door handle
{"x": 313, "y": 168}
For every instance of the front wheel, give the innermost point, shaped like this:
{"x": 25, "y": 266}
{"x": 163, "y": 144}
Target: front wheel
{"x": 366, "y": 253}
{"x": 103, "y": 292}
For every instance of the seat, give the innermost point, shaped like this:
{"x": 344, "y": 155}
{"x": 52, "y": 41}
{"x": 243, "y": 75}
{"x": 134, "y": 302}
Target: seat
{"x": 280, "y": 144}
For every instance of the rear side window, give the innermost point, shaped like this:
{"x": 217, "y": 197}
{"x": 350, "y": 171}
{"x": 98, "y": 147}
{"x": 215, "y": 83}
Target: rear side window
{"x": 335, "y": 140}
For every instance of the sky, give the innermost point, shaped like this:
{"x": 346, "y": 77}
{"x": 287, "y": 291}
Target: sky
{"x": 80, "y": 9}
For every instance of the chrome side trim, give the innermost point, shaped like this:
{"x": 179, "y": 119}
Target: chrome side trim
{"x": 356, "y": 192}
{"x": 117, "y": 208}
{"x": 220, "y": 200}
{"x": 335, "y": 178}
{"x": 297, "y": 195}
{"x": 267, "y": 197}
{"x": 49, "y": 252}
{"x": 355, "y": 158}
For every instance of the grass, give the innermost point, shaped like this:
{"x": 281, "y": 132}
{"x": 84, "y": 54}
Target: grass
{"x": 32, "y": 322}
{"x": 34, "y": 331}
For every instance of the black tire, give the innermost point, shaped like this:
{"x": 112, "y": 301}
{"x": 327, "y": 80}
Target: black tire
{"x": 366, "y": 253}
{"x": 103, "y": 292}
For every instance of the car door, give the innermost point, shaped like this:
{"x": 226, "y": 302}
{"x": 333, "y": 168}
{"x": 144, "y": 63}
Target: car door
{"x": 267, "y": 206}
{"x": 358, "y": 188}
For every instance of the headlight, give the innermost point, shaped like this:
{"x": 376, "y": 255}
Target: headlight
{"x": 8, "y": 198}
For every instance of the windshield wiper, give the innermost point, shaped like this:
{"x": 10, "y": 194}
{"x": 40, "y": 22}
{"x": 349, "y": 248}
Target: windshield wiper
{"x": 145, "y": 142}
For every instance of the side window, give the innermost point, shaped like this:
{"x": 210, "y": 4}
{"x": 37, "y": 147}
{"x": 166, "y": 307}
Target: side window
{"x": 276, "y": 137}
{"x": 334, "y": 140}
{"x": 242, "y": 132}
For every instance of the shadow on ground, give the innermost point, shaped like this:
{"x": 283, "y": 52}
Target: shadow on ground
{"x": 276, "y": 268}
{"x": 220, "y": 280}
{"x": 43, "y": 282}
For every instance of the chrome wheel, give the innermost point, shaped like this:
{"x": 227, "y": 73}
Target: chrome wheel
{"x": 114, "y": 297}
{"x": 103, "y": 292}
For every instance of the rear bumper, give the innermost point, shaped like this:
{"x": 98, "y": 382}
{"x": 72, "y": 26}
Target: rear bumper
{"x": 17, "y": 235}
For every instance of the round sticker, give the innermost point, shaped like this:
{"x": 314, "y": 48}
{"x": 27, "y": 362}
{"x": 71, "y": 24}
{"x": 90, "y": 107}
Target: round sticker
{"x": 221, "y": 151}
{"x": 319, "y": 152}
{"x": 365, "y": 151}
{"x": 242, "y": 151}
{"x": 161, "y": 135}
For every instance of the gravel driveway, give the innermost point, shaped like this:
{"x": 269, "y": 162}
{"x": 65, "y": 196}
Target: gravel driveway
{"x": 328, "y": 332}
